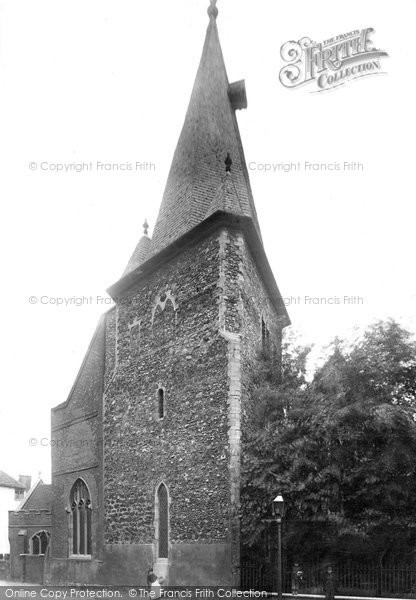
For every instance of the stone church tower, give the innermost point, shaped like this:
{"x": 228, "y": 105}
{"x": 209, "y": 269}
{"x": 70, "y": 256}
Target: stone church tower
{"x": 161, "y": 398}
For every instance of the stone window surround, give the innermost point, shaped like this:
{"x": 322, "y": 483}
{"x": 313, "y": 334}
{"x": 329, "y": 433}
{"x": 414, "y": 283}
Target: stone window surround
{"x": 167, "y": 296}
{"x": 69, "y": 510}
{"x": 160, "y": 388}
{"x": 32, "y": 539}
{"x": 162, "y": 562}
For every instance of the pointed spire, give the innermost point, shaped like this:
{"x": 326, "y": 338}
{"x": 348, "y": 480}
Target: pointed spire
{"x": 210, "y": 131}
{"x": 141, "y": 253}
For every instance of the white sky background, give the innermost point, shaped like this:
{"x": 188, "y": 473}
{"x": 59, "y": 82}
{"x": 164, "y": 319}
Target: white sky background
{"x": 110, "y": 81}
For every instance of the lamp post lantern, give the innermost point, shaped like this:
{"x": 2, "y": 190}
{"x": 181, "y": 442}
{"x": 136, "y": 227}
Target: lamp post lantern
{"x": 278, "y": 513}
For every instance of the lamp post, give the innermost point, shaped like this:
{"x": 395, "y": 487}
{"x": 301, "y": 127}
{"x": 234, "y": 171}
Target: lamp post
{"x": 278, "y": 513}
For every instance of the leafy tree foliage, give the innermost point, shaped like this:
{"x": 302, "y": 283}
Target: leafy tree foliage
{"x": 341, "y": 448}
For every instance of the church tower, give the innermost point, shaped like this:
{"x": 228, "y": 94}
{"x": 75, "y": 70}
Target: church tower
{"x": 164, "y": 387}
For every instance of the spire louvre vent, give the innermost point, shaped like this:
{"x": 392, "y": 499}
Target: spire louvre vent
{"x": 237, "y": 94}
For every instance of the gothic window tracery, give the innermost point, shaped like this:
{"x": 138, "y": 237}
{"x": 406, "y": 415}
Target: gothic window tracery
{"x": 81, "y": 509}
{"x": 39, "y": 542}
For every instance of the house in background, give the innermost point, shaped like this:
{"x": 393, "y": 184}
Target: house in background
{"x": 12, "y": 492}
{"x": 29, "y": 534}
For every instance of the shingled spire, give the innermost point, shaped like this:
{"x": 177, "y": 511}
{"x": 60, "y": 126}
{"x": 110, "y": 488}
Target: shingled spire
{"x": 197, "y": 179}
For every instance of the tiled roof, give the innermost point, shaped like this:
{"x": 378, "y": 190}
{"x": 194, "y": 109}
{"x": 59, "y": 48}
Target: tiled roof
{"x": 86, "y": 391}
{"x": 39, "y": 498}
{"x": 9, "y": 482}
{"x": 226, "y": 198}
{"x": 197, "y": 184}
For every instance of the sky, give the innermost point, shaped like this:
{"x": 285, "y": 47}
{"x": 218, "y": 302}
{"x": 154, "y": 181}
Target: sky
{"x": 108, "y": 82}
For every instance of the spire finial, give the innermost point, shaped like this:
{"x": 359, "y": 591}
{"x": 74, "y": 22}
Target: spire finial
{"x": 228, "y": 163}
{"x": 145, "y": 227}
{"x": 212, "y": 9}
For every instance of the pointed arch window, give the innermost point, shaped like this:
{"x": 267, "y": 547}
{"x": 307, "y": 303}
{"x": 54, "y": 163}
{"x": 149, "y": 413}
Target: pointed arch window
{"x": 164, "y": 319}
{"x": 81, "y": 513}
{"x": 39, "y": 542}
{"x": 162, "y": 520}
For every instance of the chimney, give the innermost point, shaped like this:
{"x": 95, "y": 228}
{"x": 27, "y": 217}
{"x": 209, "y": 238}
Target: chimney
{"x": 26, "y": 480}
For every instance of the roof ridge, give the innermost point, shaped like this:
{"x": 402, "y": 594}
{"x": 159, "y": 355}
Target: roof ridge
{"x": 8, "y": 481}
{"x": 31, "y": 496}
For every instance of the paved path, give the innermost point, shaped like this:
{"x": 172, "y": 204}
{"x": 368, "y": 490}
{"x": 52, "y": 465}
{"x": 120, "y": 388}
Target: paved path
{"x": 13, "y": 583}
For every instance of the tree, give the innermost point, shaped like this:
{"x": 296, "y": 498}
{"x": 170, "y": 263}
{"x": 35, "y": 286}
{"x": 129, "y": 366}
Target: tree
{"x": 341, "y": 448}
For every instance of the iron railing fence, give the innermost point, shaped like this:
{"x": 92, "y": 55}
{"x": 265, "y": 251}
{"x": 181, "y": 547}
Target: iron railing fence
{"x": 355, "y": 579}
